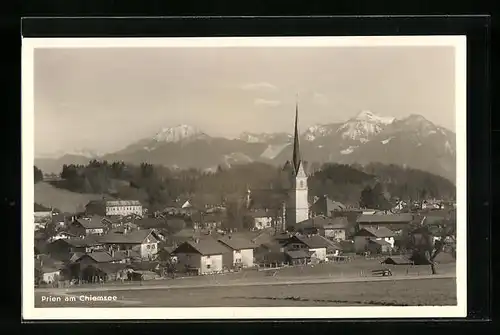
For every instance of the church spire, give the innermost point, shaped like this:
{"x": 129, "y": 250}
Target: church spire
{"x": 296, "y": 149}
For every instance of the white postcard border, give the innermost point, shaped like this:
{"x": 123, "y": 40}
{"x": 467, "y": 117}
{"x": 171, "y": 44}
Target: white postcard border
{"x": 29, "y": 312}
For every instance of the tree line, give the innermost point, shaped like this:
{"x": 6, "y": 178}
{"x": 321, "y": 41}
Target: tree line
{"x": 375, "y": 185}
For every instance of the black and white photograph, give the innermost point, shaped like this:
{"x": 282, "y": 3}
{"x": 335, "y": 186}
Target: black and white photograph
{"x": 257, "y": 177}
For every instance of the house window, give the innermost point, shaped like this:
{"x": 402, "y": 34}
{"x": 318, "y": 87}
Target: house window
{"x": 208, "y": 266}
{"x": 148, "y": 247}
{"x": 153, "y": 246}
{"x": 301, "y": 184}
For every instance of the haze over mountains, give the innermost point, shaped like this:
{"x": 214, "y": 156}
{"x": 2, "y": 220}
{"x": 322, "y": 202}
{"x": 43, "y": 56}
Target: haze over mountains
{"x": 412, "y": 141}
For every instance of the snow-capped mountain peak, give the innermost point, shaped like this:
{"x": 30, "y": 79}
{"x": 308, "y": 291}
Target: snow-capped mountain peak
{"x": 176, "y": 134}
{"x": 364, "y": 126}
{"x": 368, "y": 116}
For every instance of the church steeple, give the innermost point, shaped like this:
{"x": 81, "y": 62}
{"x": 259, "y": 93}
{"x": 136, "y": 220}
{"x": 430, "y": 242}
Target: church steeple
{"x": 296, "y": 147}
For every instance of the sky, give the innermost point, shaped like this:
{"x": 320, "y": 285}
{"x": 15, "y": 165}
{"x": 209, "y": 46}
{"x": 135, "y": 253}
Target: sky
{"x": 104, "y": 99}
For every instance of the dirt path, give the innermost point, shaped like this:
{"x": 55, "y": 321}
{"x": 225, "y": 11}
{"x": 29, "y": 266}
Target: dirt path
{"x": 291, "y": 281}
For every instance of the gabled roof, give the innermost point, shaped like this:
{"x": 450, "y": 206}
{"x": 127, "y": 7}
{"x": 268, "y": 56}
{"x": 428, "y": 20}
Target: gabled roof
{"x": 133, "y": 237}
{"x": 385, "y": 218}
{"x": 148, "y": 222}
{"x": 98, "y": 256}
{"x": 205, "y": 247}
{"x": 95, "y": 222}
{"x": 237, "y": 243}
{"x": 376, "y": 232}
{"x": 321, "y": 221}
{"x": 88, "y": 241}
{"x": 311, "y": 241}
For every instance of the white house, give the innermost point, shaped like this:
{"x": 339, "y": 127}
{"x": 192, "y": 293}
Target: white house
{"x": 145, "y": 242}
{"x": 262, "y": 219}
{"x": 204, "y": 256}
{"x": 114, "y": 207}
{"x": 241, "y": 250}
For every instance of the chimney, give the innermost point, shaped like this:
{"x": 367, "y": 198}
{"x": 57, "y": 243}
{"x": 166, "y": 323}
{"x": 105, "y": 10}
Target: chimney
{"x": 196, "y": 240}
{"x": 128, "y": 253}
{"x": 113, "y": 253}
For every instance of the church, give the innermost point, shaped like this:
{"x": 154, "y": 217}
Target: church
{"x": 297, "y": 204}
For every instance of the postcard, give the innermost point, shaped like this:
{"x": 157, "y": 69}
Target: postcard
{"x": 244, "y": 178}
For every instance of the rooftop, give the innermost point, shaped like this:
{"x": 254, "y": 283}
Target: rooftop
{"x": 206, "y": 246}
{"x": 237, "y": 243}
{"x": 385, "y": 218}
{"x": 95, "y": 222}
{"x": 133, "y": 237}
{"x": 312, "y": 241}
{"x": 378, "y": 232}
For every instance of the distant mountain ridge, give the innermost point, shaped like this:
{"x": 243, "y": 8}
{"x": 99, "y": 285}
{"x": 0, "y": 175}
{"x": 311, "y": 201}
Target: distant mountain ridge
{"x": 412, "y": 141}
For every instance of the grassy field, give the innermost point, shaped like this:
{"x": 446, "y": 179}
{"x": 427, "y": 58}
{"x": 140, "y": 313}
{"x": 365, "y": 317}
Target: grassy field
{"x": 418, "y": 292}
{"x": 64, "y": 200}
{"x": 355, "y": 269}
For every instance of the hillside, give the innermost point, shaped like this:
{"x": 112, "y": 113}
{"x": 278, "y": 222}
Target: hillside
{"x": 366, "y": 138}
{"x": 64, "y": 200}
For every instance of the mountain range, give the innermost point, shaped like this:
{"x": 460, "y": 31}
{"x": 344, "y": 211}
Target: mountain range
{"x": 413, "y": 141}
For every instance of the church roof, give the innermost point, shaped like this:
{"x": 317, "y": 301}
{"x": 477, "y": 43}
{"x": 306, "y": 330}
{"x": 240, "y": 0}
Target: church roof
{"x": 296, "y": 159}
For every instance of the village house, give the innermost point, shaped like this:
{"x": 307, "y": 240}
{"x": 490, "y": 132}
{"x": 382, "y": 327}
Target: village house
{"x": 210, "y": 220}
{"x": 202, "y": 256}
{"x": 337, "y": 230}
{"x": 374, "y": 240}
{"x": 64, "y": 248}
{"x": 314, "y": 243}
{"x": 311, "y": 225}
{"x": 326, "y": 206}
{"x": 100, "y": 264}
{"x": 111, "y": 256}
{"x": 145, "y": 242}
{"x": 60, "y": 220}
{"x": 103, "y": 272}
{"x": 47, "y": 269}
{"x": 261, "y": 219}
{"x": 61, "y": 235}
{"x": 242, "y": 251}
{"x": 395, "y": 222}
{"x": 114, "y": 208}
{"x": 87, "y": 226}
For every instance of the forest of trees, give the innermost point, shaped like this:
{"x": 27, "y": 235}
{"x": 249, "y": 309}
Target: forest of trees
{"x": 375, "y": 185}
{"x": 38, "y": 175}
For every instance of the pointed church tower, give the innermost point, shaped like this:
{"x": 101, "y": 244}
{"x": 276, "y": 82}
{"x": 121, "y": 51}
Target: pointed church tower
{"x": 298, "y": 205}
